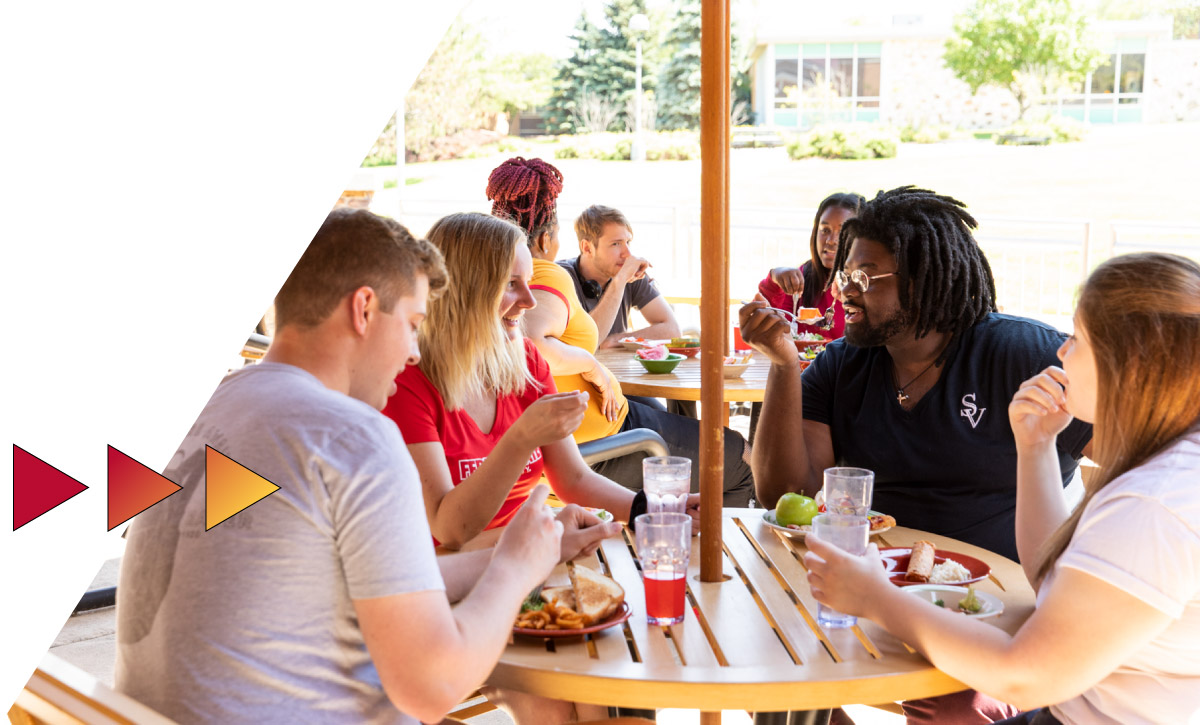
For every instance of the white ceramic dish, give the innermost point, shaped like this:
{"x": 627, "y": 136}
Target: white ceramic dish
{"x": 951, "y": 595}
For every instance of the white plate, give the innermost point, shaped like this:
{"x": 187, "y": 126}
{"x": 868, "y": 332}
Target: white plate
{"x": 769, "y": 520}
{"x": 951, "y": 595}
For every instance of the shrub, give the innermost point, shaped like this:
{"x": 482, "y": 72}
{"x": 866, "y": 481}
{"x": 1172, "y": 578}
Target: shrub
{"x": 853, "y": 142}
{"x": 1067, "y": 129}
{"x": 660, "y": 146}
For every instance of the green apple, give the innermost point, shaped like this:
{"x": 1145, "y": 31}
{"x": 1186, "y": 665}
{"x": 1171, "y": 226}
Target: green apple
{"x": 795, "y": 509}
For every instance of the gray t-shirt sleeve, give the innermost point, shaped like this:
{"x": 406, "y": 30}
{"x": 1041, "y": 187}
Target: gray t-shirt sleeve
{"x": 642, "y": 292}
{"x": 378, "y": 514}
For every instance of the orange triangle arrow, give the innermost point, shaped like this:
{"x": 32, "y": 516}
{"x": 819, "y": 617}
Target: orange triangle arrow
{"x": 230, "y": 488}
{"x": 38, "y": 487}
{"x": 132, "y": 488}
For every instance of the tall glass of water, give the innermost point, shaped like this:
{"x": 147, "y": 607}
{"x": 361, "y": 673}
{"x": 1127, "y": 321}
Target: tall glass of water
{"x": 666, "y": 481}
{"x": 848, "y": 491}
{"x": 850, "y": 534}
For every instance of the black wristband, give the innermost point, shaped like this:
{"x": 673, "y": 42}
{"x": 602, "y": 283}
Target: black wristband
{"x": 637, "y": 508}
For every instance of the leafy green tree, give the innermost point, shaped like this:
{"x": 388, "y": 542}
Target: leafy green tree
{"x": 679, "y": 81}
{"x": 1029, "y": 47}
{"x": 603, "y": 66}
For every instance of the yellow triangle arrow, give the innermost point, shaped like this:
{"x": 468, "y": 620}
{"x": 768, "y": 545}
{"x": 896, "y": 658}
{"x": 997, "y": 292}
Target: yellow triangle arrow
{"x": 231, "y": 487}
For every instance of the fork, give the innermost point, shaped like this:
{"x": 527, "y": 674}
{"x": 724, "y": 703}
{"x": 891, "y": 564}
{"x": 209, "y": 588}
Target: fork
{"x": 826, "y": 322}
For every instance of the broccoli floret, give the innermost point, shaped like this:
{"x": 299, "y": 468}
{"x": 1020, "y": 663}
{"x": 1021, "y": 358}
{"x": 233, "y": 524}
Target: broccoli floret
{"x": 971, "y": 604}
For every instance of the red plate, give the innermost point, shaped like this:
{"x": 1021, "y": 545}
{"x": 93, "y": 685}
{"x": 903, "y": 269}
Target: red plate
{"x": 801, "y": 344}
{"x": 895, "y": 560}
{"x": 685, "y": 351}
{"x": 623, "y": 613}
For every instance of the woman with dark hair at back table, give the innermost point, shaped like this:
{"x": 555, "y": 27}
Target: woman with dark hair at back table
{"x": 525, "y": 191}
{"x": 789, "y": 288}
{"x": 1115, "y": 636}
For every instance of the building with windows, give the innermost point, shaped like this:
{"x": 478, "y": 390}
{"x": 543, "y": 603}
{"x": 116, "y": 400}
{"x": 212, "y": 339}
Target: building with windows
{"x": 881, "y": 61}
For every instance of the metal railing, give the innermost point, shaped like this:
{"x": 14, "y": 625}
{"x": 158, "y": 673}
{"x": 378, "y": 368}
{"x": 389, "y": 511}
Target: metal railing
{"x": 1038, "y": 263}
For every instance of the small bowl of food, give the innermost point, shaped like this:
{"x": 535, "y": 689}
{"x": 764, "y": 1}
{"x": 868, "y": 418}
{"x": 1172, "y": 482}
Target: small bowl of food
{"x": 806, "y": 340}
{"x": 658, "y": 359}
{"x": 632, "y": 344}
{"x": 735, "y": 365}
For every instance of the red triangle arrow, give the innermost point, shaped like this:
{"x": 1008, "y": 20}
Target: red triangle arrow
{"x": 38, "y": 487}
{"x": 132, "y": 488}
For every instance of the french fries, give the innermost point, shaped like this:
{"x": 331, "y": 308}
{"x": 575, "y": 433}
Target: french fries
{"x": 551, "y": 617}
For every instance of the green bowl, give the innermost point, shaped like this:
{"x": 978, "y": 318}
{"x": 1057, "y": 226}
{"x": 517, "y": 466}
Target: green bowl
{"x": 662, "y": 366}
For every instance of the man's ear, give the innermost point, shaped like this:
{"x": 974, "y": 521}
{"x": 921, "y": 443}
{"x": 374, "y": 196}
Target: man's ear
{"x": 586, "y": 247}
{"x": 364, "y": 305}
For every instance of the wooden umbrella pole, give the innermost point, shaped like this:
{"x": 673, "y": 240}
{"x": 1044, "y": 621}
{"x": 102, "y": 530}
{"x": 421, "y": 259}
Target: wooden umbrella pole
{"x": 714, "y": 295}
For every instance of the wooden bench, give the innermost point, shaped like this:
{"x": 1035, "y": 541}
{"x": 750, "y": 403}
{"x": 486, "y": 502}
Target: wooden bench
{"x": 59, "y": 692}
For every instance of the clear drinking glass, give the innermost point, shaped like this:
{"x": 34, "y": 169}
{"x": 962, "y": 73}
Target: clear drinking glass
{"x": 666, "y": 481}
{"x": 664, "y": 546}
{"x": 848, "y": 491}
{"x": 850, "y": 534}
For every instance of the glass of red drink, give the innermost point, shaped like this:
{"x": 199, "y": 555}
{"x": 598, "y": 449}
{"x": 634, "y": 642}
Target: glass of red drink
{"x": 664, "y": 547}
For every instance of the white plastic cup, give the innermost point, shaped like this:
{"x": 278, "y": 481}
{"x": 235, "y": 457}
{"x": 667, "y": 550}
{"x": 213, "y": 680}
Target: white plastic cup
{"x": 848, "y": 491}
{"x": 667, "y": 480}
{"x": 850, "y": 534}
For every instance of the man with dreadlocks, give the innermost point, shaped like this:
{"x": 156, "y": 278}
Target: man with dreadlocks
{"x": 917, "y": 391}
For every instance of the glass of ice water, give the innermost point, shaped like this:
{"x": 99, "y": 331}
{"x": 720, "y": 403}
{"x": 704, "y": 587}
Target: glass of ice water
{"x": 850, "y": 534}
{"x": 666, "y": 481}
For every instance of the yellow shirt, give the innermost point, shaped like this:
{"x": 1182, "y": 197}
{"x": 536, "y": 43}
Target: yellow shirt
{"x": 580, "y": 332}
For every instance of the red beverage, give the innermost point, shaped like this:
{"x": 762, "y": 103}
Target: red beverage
{"x": 738, "y": 342}
{"x": 664, "y": 597}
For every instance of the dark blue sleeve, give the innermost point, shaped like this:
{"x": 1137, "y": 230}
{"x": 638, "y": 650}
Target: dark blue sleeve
{"x": 643, "y": 293}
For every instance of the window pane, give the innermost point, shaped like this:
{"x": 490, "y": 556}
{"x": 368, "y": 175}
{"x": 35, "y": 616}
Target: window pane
{"x": 815, "y": 50}
{"x": 1133, "y": 67}
{"x": 841, "y": 72}
{"x": 785, "y": 78}
{"x": 783, "y": 50}
{"x": 814, "y": 75}
{"x": 1102, "y": 77}
{"x": 868, "y": 76}
{"x": 869, "y": 50}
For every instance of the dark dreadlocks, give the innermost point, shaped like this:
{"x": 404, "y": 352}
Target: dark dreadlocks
{"x": 526, "y": 192}
{"x": 945, "y": 281}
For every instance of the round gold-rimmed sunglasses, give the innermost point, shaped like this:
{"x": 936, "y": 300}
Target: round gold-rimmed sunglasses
{"x": 858, "y": 277}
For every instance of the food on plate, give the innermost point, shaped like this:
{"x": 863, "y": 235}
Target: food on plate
{"x": 971, "y": 604}
{"x": 684, "y": 342}
{"x": 795, "y": 509}
{"x": 739, "y": 359}
{"x": 881, "y": 521}
{"x": 596, "y": 596}
{"x": 949, "y": 572}
{"x": 807, "y": 337}
{"x": 601, "y": 514}
{"x": 920, "y": 562}
{"x": 810, "y": 353}
{"x": 632, "y": 339}
{"x": 658, "y": 352}
{"x": 808, "y": 313}
{"x": 589, "y": 599}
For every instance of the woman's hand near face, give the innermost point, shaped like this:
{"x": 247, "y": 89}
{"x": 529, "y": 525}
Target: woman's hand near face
{"x": 1038, "y": 411}
{"x": 552, "y": 418}
{"x": 603, "y": 382}
{"x": 767, "y": 331}
{"x": 789, "y": 280}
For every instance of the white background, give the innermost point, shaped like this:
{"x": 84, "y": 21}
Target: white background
{"x": 162, "y": 167}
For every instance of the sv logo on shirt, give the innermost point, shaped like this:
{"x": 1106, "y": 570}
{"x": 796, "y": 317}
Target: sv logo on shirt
{"x": 970, "y": 411}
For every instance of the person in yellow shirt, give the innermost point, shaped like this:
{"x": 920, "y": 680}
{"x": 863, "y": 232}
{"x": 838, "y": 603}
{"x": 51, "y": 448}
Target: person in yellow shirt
{"x": 525, "y": 191}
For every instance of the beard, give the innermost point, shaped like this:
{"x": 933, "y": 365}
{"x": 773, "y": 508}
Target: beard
{"x": 870, "y": 334}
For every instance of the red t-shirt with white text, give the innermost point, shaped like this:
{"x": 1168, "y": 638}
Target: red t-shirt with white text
{"x": 419, "y": 411}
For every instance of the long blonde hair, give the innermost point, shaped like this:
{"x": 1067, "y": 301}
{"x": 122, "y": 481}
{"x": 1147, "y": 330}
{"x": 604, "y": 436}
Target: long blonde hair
{"x": 464, "y": 348}
{"x": 1141, "y": 314}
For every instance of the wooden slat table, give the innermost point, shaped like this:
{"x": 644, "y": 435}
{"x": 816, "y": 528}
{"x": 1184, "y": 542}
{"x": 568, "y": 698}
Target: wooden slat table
{"x": 748, "y": 643}
{"x": 684, "y": 382}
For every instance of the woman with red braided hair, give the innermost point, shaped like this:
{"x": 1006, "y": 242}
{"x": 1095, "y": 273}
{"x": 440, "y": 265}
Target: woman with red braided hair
{"x": 526, "y": 191}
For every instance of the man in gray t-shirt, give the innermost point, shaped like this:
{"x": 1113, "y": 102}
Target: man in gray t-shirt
{"x": 324, "y": 601}
{"x": 610, "y": 280}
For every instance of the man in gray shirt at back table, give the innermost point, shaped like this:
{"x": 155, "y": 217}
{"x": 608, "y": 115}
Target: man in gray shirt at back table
{"x": 610, "y": 280}
{"x": 324, "y": 602}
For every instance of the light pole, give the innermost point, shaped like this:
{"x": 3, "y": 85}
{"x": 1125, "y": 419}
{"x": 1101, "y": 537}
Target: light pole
{"x": 638, "y": 24}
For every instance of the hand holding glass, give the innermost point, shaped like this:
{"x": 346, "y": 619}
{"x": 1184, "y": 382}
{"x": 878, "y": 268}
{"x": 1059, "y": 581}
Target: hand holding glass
{"x": 664, "y": 546}
{"x": 850, "y": 534}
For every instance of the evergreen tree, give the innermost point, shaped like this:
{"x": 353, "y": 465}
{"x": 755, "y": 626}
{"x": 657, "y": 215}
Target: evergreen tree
{"x": 602, "y": 69}
{"x": 679, "y": 83}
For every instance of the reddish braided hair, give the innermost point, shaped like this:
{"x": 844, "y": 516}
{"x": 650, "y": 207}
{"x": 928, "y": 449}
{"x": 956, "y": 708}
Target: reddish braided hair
{"x": 525, "y": 191}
